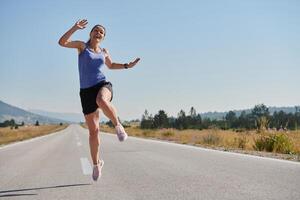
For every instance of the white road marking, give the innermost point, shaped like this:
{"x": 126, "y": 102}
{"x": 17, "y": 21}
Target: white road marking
{"x": 86, "y": 166}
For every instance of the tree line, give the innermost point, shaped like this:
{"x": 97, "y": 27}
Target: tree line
{"x": 11, "y": 123}
{"x": 258, "y": 118}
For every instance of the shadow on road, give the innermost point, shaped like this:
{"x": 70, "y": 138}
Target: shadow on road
{"x": 15, "y": 195}
{"x": 38, "y": 188}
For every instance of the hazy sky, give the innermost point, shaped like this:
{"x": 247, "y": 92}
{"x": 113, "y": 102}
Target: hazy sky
{"x": 215, "y": 55}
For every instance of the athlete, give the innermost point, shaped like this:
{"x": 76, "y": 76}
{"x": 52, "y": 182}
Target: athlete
{"x": 95, "y": 91}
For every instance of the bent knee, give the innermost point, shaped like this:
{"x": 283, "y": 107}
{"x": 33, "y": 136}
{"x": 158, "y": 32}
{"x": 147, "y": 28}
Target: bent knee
{"x": 101, "y": 102}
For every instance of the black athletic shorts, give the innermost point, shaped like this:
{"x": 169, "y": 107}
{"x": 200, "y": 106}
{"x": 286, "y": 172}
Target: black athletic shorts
{"x": 88, "y": 96}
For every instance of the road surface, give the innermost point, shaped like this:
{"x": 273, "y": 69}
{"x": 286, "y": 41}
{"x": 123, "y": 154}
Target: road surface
{"x": 58, "y": 166}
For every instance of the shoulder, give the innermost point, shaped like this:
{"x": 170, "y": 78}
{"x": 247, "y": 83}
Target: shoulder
{"x": 105, "y": 52}
{"x": 80, "y": 46}
{"x": 83, "y": 45}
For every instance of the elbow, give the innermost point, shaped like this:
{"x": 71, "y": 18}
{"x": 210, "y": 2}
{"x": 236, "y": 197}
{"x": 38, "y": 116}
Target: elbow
{"x": 110, "y": 65}
{"x": 61, "y": 43}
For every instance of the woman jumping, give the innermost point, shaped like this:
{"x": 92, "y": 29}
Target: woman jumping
{"x": 95, "y": 91}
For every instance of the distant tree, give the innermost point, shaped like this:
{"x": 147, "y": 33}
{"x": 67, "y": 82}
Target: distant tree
{"x": 109, "y": 123}
{"x": 193, "y": 112}
{"x": 297, "y": 117}
{"x": 291, "y": 123}
{"x": 242, "y": 120}
{"x": 206, "y": 122}
{"x": 259, "y": 118}
{"x": 279, "y": 120}
{"x": 231, "y": 120}
{"x": 37, "y": 123}
{"x": 161, "y": 120}
{"x": 172, "y": 122}
{"x": 7, "y": 123}
{"x": 12, "y": 122}
{"x": 192, "y": 119}
{"x": 22, "y": 124}
{"x": 147, "y": 121}
{"x": 230, "y": 116}
{"x": 181, "y": 122}
{"x": 262, "y": 116}
{"x": 145, "y": 116}
{"x": 60, "y": 123}
{"x": 260, "y": 110}
{"x": 135, "y": 121}
{"x": 198, "y": 122}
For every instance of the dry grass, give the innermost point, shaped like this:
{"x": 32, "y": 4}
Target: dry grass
{"x": 226, "y": 139}
{"x": 8, "y": 135}
{"x": 295, "y": 138}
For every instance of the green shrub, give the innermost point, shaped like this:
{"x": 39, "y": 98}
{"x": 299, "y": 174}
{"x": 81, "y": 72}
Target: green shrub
{"x": 274, "y": 143}
{"x": 282, "y": 144}
{"x": 259, "y": 144}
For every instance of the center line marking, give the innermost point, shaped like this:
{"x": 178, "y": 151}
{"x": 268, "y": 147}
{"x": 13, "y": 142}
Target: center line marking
{"x": 86, "y": 166}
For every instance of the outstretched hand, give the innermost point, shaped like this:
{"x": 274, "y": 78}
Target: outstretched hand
{"x": 80, "y": 24}
{"x": 132, "y": 64}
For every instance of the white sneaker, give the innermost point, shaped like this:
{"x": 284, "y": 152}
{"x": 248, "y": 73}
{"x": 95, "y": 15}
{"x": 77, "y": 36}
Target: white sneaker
{"x": 97, "y": 170}
{"x": 122, "y": 135}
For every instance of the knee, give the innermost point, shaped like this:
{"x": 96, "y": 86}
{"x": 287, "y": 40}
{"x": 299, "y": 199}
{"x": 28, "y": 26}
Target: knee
{"x": 101, "y": 102}
{"x": 94, "y": 132}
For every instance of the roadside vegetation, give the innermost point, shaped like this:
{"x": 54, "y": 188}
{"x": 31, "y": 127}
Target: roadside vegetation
{"x": 257, "y": 132}
{"x": 280, "y": 142}
{"x": 16, "y": 133}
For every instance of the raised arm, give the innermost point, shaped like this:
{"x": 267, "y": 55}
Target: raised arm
{"x": 112, "y": 65}
{"x": 65, "y": 39}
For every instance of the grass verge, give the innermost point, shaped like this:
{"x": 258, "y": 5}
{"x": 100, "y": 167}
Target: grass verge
{"x": 8, "y": 135}
{"x": 226, "y": 140}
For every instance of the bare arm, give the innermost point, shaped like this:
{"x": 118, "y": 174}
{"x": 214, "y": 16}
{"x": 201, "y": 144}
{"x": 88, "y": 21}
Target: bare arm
{"x": 112, "y": 65}
{"x": 65, "y": 39}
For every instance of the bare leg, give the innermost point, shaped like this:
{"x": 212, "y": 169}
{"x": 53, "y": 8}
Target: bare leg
{"x": 92, "y": 121}
{"x": 103, "y": 101}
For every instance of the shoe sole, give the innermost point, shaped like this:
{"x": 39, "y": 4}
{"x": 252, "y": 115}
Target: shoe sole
{"x": 123, "y": 138}
{"x": 100, "y": 171}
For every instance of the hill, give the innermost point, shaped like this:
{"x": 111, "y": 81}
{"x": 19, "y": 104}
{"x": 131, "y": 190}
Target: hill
{"x": 72, "y": 117}
{"x": 8, "y": 112}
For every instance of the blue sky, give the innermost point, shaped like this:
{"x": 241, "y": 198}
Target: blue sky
{"x": 214, "y": 55}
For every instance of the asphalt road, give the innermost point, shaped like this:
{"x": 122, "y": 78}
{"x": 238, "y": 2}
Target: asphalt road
{"x": 58, "y": 166}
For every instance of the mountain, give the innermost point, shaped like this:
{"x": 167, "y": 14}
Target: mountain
{"x": 72, "y": 117}
{"x": 220, "y": 115}
{"x": 8, "y": 112}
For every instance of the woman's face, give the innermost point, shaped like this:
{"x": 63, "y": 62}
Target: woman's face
{"x": 98, "y": 33}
